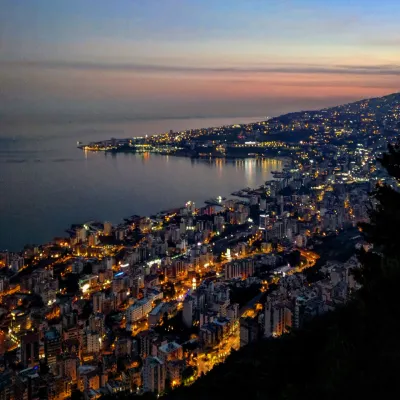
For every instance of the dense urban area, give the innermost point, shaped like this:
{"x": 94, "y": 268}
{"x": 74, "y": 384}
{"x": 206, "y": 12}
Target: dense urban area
{"x": 157, "y": 302}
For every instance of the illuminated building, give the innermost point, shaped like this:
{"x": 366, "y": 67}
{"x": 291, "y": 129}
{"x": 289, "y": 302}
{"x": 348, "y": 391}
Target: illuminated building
{"x": 70, "y": 368}
{"x": 154, "y": 375}
{"x": 107, "y": 228}
{"x": 27, "y": 384}
{"x": 16, "y": 263}
{"x": 170, "y": 351}
{"x": 52, "y": 346}
{"x": 30, "y": 349}
{"x": 81, "y": 235}
{"x": 88, "y": 378}
{"x": 98, "y": 299}
{"x": 242, "y": 269}
{"x": 93, "y": 342}
{"x": 277, "y": 319}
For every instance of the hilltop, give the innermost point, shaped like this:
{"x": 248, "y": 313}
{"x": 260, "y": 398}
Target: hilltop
{"x": 380, "y": 106}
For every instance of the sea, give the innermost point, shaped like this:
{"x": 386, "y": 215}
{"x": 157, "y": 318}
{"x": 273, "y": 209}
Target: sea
{"x": 47, "y": 183}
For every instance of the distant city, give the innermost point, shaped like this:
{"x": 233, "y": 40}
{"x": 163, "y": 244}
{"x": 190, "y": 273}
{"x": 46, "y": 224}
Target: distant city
{"x": 155, "y": 302}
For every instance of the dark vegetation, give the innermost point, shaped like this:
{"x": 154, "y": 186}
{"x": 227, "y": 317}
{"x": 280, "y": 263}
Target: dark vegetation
{"x": 174, "y": 327}
{"x": 243, "y": 294}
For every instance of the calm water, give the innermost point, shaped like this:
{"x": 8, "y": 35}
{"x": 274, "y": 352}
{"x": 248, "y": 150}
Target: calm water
{"x": 47, "y": 183}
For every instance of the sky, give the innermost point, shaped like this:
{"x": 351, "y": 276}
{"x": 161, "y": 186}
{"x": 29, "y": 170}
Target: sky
{"x": 102, "y": 59}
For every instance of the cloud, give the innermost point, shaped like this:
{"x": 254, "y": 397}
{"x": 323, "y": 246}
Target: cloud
{"x": 393, "y": 70}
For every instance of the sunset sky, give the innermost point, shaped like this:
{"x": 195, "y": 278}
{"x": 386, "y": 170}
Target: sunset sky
{"x": 189, "y": 58}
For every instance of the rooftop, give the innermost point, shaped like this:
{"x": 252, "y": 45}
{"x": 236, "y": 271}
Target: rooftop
{"x": 170, "y": 347}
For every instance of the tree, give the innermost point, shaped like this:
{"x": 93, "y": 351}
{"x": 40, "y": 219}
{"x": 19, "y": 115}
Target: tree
{"x": 383, "y": 228}
{"x": 188, "y": 372}
{"x": 165, "y": 318}
{"x": 169, "y": 290}
{"x": 293, "y": 258}
{"x": 76, "y": 395}
{"x": 70, "y": 283}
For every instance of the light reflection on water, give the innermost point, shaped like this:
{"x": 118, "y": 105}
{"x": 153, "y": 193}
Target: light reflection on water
{"x": 46, "y": 185}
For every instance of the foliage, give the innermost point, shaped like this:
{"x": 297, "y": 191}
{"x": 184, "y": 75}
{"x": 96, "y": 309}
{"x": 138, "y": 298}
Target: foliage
{"x": 293, "y": 258}
{"x": 169, "y": 290}
{"x": 76, "y": 395}
{"x": 189, "y": 372}
{"x": 71, "y": 283}
{"x": 243, "y": 294}
{"x": 175, "y": 327}
{"x": 383, "y": 228}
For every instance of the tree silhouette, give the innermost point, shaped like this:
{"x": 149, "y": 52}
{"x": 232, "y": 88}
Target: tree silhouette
{"x": 383, "y": 228}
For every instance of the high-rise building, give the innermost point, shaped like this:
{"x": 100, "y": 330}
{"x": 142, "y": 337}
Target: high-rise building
{"x": 232, "y": 270}
{"x": 236, "y": 269}
{"x": 52, "y": 346}
{"x": 264, "y": 221}
{"x": 16, "y": 262}
{"x": 27, "y": 384}
{"x": 70, "y": 368}
{"x": 109, "y": 262}
{"x": 154, "y": 375}
{"x": 88, "y": 378}
{"x": 145, "y": 339}
{"x": 81, "y": 235}
{"x": 263, "y": 203}
{"x": 30, "y": 349}
{"x": 182, "y": 226}
{"x": 93, "y": 342}
{"x": 4, "y": 284}
{"x": 277, "y": 319}
{"x": 107, "y": 228}
{"x": 96, "y": 322}
{"x": 187, "y": 314}
{"x": 98, "y": 299}
{"x": 249, "y": 331}
{"x": 93, "y": 240}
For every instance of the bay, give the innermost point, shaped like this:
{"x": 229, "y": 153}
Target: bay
{"x": 47, "y": 183}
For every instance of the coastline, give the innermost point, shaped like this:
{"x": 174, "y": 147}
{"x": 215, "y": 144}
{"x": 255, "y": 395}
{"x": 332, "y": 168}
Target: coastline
{"x": 172, "y": 208}
{"x": 255, "y": 191}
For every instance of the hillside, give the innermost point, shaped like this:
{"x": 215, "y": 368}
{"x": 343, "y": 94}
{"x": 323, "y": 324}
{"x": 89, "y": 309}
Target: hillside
{"x": 377, "y": 105}
{"x": 378, "y": 116}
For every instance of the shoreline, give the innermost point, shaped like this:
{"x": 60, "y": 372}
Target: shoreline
{"x": 173, "y": 209}
{"x": 200, "y": 157}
